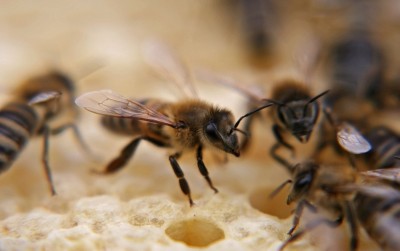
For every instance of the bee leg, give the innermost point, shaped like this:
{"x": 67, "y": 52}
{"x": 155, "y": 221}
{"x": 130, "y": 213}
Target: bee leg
{"x": 45, "y": 160}
{"x": 179, "y": 174}
{"x": 279, "y": 159}
{"x": 279, "y": 138}
{"x": 120, "y": 161}
{"x": 203, "y": 169}
{"x": 296, "y": 219}
{"x": 310, "y": 226}
{"x": 351, "y": 219}
{"x": 77, "y": 135}
{"x": 298, "y": 212}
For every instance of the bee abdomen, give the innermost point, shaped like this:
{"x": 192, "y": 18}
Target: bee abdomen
{"x": 121, "y": 125}
{"x": 17, "y": 123}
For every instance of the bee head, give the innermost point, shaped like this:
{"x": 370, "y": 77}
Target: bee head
{"x": 219, "y": 132}
{"x": 300, "y": 117}
{"x": 304, "y": 176}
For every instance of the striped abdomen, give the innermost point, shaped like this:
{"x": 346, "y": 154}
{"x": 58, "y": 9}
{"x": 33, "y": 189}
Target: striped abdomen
{"x": 18, "y": 122}
{"x": 380, "y": 217}
{"x": 385, "y": 145}
{"x": 125, "y": 126}
{"x": 132, "y": 126}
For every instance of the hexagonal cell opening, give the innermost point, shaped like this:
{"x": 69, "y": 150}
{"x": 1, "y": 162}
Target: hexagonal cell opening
{"x": 260, "y": 200}
{"x": 195, "y": 232}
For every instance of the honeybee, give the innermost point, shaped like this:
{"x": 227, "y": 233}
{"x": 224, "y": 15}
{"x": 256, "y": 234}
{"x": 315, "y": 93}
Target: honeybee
{"x": 356, "y": 64}
{"x": 357, "y": 68}
{"x": 385, "y": 145}
{"x": 37, "y": 102}
{"x": 183, "y": 125}
{"x": 294, "y": 110}
{"x": 321, "y": 187}
{"x": 259, "y": 19}
{"x": 378, "y": 210}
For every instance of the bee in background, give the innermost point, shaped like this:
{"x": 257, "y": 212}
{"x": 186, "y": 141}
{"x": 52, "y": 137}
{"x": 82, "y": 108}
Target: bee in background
{"x": 37, "y": 102}
{"x": 356, "y": 67}
{"x": 385, "y": 145}
{"x": 184, "y": 125}
{"x": 322, "y": 187}
{"x": 349, "y": 140}
{"x": 356, "y": 64}
{"x": 378, "y": 210}
{"x": 259, "y": 18}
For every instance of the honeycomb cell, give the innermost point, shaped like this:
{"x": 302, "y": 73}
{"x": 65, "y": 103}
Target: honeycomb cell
{"x": 260, "y": 199}
{"x": 195, "y": 232}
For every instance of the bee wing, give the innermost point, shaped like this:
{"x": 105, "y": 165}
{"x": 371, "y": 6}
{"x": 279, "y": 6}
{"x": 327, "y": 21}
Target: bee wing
{"x": 160, "y": 57}
{"x": 44, "y": 97}
{"x": 109, "y": 103}
{"x": 390, "y": 174}
{"x": 351, "y": 139}
{"x": 253, "y": 94}
{"x": 381, "y": 191}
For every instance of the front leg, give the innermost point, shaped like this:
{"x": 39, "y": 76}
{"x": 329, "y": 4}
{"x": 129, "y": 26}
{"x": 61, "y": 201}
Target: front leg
{"x": 203, "y": 169}
{"x": 278, "y": 136}
{"x": 278, "y": 158}
{"x": 299, "y": 211}
{"x": 296, "y": 218}
{"x": 281, "y": 142}
{"x": 179, "y": 174}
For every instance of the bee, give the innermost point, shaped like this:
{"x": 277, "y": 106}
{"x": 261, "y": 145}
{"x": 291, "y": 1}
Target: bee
{"x": 183, "y": 125}
{"x": 356, "y": 64}
{"x": 385, "y": 145}
{"x": 322, "y": 187}
{"x": 36, "y": 102}
{"x": 378, "y": 210}
{"x": 294, "y": 111}
{"x": 258, "y": 17}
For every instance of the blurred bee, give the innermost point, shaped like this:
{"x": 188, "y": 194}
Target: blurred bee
{"x": 184, "y": 125}
{"x": 343, "y": 136}
{"x": 385, "y": 145}
{"x": 378, "y": 210}
{"x": 356, "y": 64}
{"x": 37, "y": 102}
{"x": 259, "y": 19}
{"x": 320, "y": 187}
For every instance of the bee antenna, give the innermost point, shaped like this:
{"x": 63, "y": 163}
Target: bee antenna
{"x": 273, "y": 101}
{"x": 279, "y": 188}
{"x": 313, "y": 100}
{"x": 318, "y": 96}
{"x": 241, "y": 131}
{"x": 248, "y": 114}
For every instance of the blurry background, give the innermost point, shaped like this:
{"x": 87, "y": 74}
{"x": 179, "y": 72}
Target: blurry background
{"x": 99, "y": 44}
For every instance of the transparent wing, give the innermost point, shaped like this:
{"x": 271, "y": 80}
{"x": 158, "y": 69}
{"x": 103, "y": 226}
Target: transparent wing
{"x": 390, "y": 174}
{"x": 44, "y": 97}
{"x": 109, "y": 103}
{"x": 351, "y": 139}
{"x": 382, "y": 191}
{"x": 253, "y": 93}
{"x": 160, "y": 57}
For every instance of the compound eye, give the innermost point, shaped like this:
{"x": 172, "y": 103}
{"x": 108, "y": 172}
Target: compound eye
{"x": 303, "y": 182}
{"x": 211, "y": 131}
